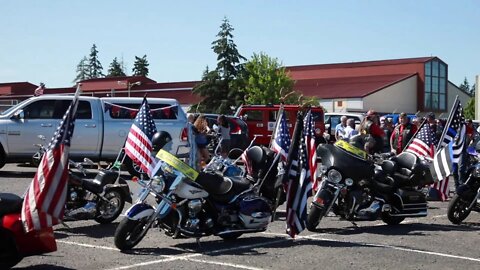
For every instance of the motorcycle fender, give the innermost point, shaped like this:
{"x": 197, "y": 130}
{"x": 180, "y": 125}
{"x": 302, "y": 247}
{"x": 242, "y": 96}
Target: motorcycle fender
{"x": 139, "y": 211}
{"x": 123, "y": 187}
{"x": 323, "y": 197}
{"x": 465, "y": 191}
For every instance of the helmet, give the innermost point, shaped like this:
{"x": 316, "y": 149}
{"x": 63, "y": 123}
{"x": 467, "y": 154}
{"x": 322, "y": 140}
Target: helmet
{"x": 160, "y": 139}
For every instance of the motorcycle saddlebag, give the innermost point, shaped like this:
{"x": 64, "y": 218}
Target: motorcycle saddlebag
{"x": 255, "y": 212}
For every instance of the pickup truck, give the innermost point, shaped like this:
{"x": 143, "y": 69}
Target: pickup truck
{"x": 101, "y": 126}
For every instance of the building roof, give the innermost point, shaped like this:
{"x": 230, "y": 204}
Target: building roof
{"x": 362, "y": 64}
{"x": 348, "y": 87}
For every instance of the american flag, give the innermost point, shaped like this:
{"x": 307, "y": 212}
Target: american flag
{"x": 422, "y": 144}
{"x": 281, "y": 137}
{"x": 309, "y": 138}
{"x": 299, "y": 186}
{"x": 139, "y": 141}
{"x": 455, "y": 135}
{"x": 39, "y": 90}
{"x": 44, "y": 201}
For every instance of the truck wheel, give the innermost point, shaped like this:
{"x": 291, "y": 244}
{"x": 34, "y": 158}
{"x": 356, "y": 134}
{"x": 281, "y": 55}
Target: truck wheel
{"x": 3, "y": 158}
{"x": 134, "y": 169}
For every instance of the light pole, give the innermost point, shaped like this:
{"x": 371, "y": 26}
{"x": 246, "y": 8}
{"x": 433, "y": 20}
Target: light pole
{"x": 132, "y": 84}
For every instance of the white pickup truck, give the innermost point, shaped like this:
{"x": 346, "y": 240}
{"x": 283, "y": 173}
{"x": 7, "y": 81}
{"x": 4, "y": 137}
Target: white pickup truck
{"x": 101, "y": 126}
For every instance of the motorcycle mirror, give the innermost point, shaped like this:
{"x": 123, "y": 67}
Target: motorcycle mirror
{"x": 18, "y": 115}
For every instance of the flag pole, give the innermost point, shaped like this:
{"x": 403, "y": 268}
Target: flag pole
{"x": 277, "y": 123}
{"x": 447, "y": 124}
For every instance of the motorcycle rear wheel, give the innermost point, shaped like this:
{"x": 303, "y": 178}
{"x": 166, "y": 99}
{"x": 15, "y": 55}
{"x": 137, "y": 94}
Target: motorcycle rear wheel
{"x": 387, "y": 218}
{"x": 130, "y": 232}
{"x": 314, "y": 216}
{"x": 458, "y": 209}
{"x": 109, "y": 211}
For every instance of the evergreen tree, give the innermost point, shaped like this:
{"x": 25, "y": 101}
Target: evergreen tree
{"x": 470, "y": 109}
{"x": 115, "y": 69}
{"x": 465, "y": 86}
{"x": 140, "y": 67}
{"x": 82, "y": 70}
{"x": 220, "y": 88}
{"x": 472, "y": 90}
{"x": 94, "y": 64}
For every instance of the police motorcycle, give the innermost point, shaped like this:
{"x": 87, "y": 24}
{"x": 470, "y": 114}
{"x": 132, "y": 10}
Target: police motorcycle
{"x": 101, "y": 198}
{"x": 356, "y": 186}
{"x": 467, "y": 198}
{"x": 196, "y": 204}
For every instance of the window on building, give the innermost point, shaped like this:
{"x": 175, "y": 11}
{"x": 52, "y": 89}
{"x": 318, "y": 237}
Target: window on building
{"x": 435, "y": 85}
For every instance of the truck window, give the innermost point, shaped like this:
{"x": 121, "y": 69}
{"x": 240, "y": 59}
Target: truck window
{"x": 42, "y": 109}
{"x": 253, "y": 115}
{"x": 84, "y": 110}
{"x": 129, "y": 110}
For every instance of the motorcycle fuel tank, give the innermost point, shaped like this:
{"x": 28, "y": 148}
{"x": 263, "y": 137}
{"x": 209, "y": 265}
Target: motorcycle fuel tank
{"x": 187, "y": 191}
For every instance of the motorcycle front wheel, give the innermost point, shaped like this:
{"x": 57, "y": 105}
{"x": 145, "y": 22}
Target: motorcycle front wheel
{"x": 314, "y": 216}
{"x": 387, "y": 218}
{"x": 458, "y": 209}
{"x": 130, "y": 232}
{"x": 108, "y": 211}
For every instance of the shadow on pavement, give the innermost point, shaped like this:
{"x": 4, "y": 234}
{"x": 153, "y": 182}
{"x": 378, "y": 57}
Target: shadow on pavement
{"x": 95, "y": 231}
{"x": 16, "y": 174}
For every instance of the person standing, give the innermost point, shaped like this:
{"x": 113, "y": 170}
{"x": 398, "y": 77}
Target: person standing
{"x": 340, "y": 128}
{"x": 387, "y": 128}
{"x": 372, "y": 133}
{"x": 201, "y": 139}
{"x": 350, "y": 130}
{"x": 402, "y": 134}
{"x": 224, "y": 131}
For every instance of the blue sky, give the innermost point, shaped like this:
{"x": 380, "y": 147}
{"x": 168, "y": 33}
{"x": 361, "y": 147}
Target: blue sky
{"x": 43, "y": 41}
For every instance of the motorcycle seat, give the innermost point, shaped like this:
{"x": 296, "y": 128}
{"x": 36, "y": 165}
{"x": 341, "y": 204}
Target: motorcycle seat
{"x": 406, "y": 160}
{"x": 10, "y": 203}
{"x": 221, "y": 188}
{"x": 92, "y": 185}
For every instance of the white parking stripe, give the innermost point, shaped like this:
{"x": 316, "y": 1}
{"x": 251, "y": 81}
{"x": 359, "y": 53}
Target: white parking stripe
{"x": 225, "y": 264}
{"x": 86, "y": 245}
{"x": 315, "y": 237}
{"x": 187, "y": 257}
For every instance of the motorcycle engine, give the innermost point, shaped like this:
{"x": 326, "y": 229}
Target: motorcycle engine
{"x": 255, "y": 212}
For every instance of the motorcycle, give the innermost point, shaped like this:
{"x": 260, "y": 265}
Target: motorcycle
{"x": 101, "y": 198}
{"x": 467, "y": 198}
{"x": 196, "y": 204}
{"x": 15, "y": 244}
{"x": 357, "y": 186}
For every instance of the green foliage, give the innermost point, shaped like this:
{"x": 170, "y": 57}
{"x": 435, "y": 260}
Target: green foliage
{"x": 263, "y": 78}
{"x": 140, "y": 67}
{"x": 115, "y": 69}
{"x": 465, "y": 86}
{"x": 82, "y": 70}
{"x": 469, "y": 110}
{"x": 95, "y": 67}
{"x": 219, "y": 88}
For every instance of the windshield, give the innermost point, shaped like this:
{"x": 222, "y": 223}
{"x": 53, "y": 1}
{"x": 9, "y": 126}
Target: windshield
{"x": 13, "y": 108}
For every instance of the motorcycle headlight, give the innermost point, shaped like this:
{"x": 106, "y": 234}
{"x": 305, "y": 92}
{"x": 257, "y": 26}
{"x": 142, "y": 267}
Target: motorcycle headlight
{"x": 334, "y": 176}
{"x": 476, "y": 171}
{"x": 349, "y": 182}
{"x": 158, "y": 184}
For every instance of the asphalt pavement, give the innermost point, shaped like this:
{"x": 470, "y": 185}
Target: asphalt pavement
{"x": 421, "y": 243}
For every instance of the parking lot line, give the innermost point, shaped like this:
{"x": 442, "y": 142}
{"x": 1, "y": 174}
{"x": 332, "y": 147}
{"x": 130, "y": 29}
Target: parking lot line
{"x": 86, "y": 245}
{"x": 234, "y": 265}
{"x": 316, "y": 237}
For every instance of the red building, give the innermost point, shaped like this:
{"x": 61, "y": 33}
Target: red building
{"x": 410, "y": 85}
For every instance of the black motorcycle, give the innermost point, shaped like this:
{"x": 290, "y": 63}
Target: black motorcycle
{"x": 101, "y": 198}
{"x": 467, "y": 198}
{"x": 357, "y": 186}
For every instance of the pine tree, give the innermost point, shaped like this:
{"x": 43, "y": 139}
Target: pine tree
{"x": 115, "y": 69}
{"x": 220, "y": 88}
{"x": 140, "y": 67}
{"x": 82, "y": 70}
{"x": 94, "y": 64}
{"x": 465, "y": 86}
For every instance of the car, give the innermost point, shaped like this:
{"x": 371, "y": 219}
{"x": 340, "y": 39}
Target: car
{"x": 333, "y": 119}
{"x": 238, "y": 130}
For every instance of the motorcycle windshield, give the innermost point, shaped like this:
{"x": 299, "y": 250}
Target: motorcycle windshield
{"x": 177, "y": 164}
{"x": 346, "y": 158}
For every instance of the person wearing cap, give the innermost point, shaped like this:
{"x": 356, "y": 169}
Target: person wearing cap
{"x": 373, "y": 134}
{"x": 402, "y": 134}
{"x": 387, "y": 127}
{"x": 434, "y": 127}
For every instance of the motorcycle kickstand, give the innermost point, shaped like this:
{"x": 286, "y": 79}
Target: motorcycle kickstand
{"x": 198, "y": 242}
{"x": 354, "y": 224}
